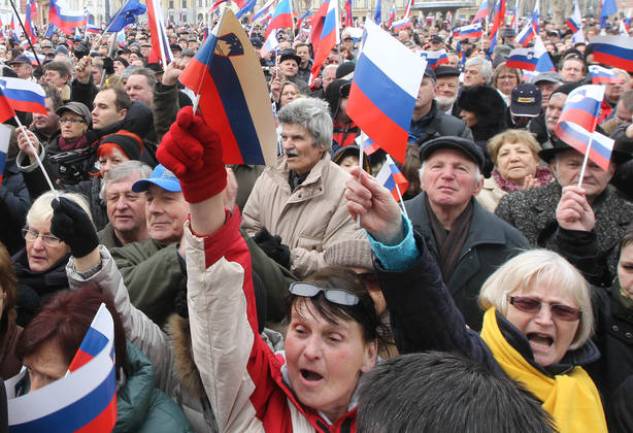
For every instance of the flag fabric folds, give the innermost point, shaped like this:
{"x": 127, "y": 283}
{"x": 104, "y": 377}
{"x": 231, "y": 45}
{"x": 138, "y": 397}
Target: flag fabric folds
{"x": 435, "y": 58}
{"x": 616, "y": 51}
{"x": 328, "y": 39}
{"x": 161, "y": 51}
{"x": 23, "y": 95}
{"x": 402, "y": 24}
{"x": 126, "y": 16}
{"x": 85, "y": 400}
{"x": 378, "y": 12}
{"x": 482, "y": 12}
{"x": 260, "y": 14}
{"x": 583, "y": 106}
{"x": 349, "y": 19}
{"x": 522, "y": 58}
{"x": 472, "y": 31}
{"x": 367, "y": 144}
{"x": 384, "y": 90}
{"x": 248, "y": 7}
{"x": 601, "y": 75}
{"x": 608, "y": 8}
{"x": 270, "y": 45}
{"x": 31, "y": 11}
{"x": 234, "y": 99}
{"x": 303, "y": 17}
{"x": 282, "y": 16}
{"x": 574, "y": 22}
{"x": 600, "y": 146}
{"x": 391, "y": 178}
{"x": 66, "y": 20}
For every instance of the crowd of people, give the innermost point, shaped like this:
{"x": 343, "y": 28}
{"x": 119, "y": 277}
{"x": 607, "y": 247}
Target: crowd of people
{"x": 301, "y": 297}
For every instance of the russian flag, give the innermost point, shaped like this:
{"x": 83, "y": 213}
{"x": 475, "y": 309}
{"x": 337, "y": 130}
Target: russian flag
{"x": 522, "y": 58}
{"x": 391, "y": 178}
{"x": 23, "y": 95}
{"x": 498, "y": 18}
{"x": 583, "y": 106}
{"x": 483, "y": 12}
{"x": 368, "y": 145}
{"x": 234, "y": 98}
{"x": 5, "y": 137}
{"x": 384, "y": 90}
{"x": 600, "y": 75}
{"x": 349, "y": 19}
{"x": 91, "y": 28}
{"x": 65, "y": 20}
{"x": 270, "y": 45}
{"x": 248, "y": 7}
{"x": 84, "y": 401}
{"x": 526, "y": 35}
{"x": 544, "y": 63}
{"x": 303, "y": 17}
{"x": 404, "y": 23}
{"x": 616, "y": 51}
{"x": 392, "y": 16}
{"x": 328, "y": 39}
{"x": 407, "y": 11}
{"x": 600, "y": 146}
{"x": 161, "y": 51}
{"x": 262, "y": 12}
{"x": 282, "y": 16}
{"x": 471, "y": 31}
{"x": 435, "y": 58}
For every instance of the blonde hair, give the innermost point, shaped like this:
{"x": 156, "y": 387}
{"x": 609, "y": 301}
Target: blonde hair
{"x": 41, "y": 210}
{"x": 540, "y": 267}
{"x": 511, "y": 136}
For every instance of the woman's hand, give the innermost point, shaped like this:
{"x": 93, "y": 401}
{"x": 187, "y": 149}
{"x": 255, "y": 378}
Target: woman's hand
{"x": 529, "y": 181}
{"x": 375, "y": 207}
{"x": 72, "y": 225}
{"x": 23, "y": 136}
{"x": 574, "y": 211}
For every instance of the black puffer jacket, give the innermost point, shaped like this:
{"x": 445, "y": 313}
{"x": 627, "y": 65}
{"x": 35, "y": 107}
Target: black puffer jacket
{"x": 14, "y": 204}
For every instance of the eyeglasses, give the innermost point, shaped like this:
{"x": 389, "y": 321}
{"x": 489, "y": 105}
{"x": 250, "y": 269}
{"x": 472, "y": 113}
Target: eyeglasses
{"x": 533, "y": 306}
{"x": 70, "y": 120}
{"x": 48, "y": 239}
{"x": 336, "y": 296}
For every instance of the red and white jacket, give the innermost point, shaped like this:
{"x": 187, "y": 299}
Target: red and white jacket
{"x": 242, "y": 376}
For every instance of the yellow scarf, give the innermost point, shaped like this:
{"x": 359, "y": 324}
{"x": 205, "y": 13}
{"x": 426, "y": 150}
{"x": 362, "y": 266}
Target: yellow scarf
{"x": 571, "y": 399}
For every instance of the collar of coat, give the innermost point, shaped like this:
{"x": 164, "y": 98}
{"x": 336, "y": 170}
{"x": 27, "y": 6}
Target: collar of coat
{"x": 312, "y": 186}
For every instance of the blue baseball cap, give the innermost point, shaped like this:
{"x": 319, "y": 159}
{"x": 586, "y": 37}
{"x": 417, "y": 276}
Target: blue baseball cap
{"x": 160, "y": 177}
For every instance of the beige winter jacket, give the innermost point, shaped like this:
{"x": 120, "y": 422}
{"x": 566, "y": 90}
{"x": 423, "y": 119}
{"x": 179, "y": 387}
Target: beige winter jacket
{"x": 309, "y": 219}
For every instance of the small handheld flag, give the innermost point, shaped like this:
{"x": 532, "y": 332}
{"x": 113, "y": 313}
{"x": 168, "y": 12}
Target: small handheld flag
{"x": 601, "y": 75}
{"x": 616, "y": 51}
{"x": 391, "y": 178}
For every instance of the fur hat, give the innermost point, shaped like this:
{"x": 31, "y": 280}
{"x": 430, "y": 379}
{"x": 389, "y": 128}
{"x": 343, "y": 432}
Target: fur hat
{"x": 484, "y": 101}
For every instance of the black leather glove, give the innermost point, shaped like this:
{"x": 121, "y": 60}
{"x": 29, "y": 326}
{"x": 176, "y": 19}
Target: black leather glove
{"x": 273, "y": 247}
{"x": 72, "y": 225}
{"x": 108, "y": 65}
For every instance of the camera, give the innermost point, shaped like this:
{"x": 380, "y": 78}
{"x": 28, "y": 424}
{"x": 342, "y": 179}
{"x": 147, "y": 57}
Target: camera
{"x": 74, "y": 165}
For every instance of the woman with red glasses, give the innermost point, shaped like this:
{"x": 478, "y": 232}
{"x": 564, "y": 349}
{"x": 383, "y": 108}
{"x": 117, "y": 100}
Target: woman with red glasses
{"x": 537, "y": 323}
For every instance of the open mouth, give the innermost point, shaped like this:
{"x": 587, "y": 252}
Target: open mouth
{"x": 309, "y": 375}
{"x": 292, "y": 154}
{"x": 540, "y": 339}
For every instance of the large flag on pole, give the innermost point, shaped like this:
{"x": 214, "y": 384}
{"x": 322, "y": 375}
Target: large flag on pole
{"x": 574, "y": 22}
{"x": 384, "y": 90}
{"x": 234, "y": 98}
{"x": 31, "y": 12}
{"x": 65, "y": 20}
{"x": 483, "y": 12}
{"x": 282, "y": 16}
{"x": 126, "y": 16}
{"x": 83, "y": 401}
{"x": 616, "y": 51}
{"x": 161, "y": 51}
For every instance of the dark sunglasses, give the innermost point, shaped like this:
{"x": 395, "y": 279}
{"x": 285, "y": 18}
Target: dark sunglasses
{"x": 533, "y": 306}
{"x": 336, "y": 296}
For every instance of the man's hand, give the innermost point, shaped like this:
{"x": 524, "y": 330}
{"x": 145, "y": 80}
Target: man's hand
{"x": 172, "y": 72}
{"x": 193, "y": 152}
{"x": 378, "y": 211}
{"x": 23, "y": 142}
{"x": 574, "y": 211}
{"x": 83, "y": 70}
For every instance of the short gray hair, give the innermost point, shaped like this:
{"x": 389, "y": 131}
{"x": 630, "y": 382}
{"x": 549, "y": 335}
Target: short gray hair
{"x": 540, "y": 267}
{"x": 123, "y": 171}
{"x": 485, "y": 67}
{"x": 314, "y": 115}
{"x": 147, "y": 73}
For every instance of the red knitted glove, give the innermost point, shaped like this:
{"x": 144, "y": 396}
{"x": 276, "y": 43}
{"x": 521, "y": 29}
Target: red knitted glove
{"x": 193, "y": 152}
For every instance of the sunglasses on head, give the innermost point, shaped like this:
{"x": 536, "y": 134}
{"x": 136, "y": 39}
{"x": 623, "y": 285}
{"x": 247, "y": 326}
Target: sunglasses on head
{"x": 533, "y": 305}
{"x": 336, "y": 296}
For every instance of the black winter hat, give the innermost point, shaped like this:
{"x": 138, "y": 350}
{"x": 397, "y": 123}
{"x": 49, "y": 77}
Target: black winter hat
{"x": 129, "y": 142}
{"x": 484, "y": 101}
{"x": 464, "y": 145}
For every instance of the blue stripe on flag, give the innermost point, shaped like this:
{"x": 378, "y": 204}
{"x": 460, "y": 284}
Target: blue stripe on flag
{"x": 376, "y": 86}
{"x": 93, "y": 342}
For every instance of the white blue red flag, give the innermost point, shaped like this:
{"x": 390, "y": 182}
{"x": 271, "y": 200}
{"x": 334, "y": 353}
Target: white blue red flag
{"x": 261, "y": 13}
{"x": 616, "y": 51}
{"x": 600, "y": 146}
{"x": 384, "y": 90}
{"x": 234, "y": 99}
{"x": 282, "y": 17}
{"x": 522, "y": 58}
{"x": 161, "y": 51}
{"x": 270, "y": 45}
{"x": 601, "y": 75}
{"x": 23, "y": 95}
{"x": 328, "y": 38}
{"x": 472, "y": 31}
{"x": 526, "y": 35}
{"x": 248, "y": 7}
{"x": 83, "y": 401}
{"x": 31, "y": 11}
{"x": 583, "y": 106}
{"x": 66, "y": 20}
{"x": 368, "y": 145}
{"x": 402, "y": 24}
{"x": 435, "y": 58}
{"x": 545, "y": 63}
{"x": 391, "y": 178}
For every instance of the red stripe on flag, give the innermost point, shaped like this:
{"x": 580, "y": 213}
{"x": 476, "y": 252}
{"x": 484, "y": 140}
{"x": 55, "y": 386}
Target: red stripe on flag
{"x": 104, "y": 422}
